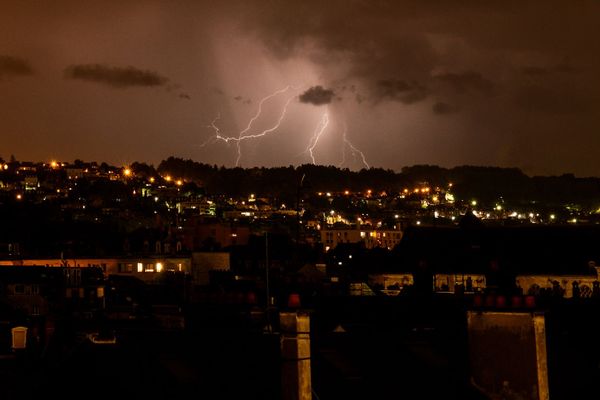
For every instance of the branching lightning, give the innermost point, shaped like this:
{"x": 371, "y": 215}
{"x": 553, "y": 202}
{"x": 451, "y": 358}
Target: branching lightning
{"x": 312, "y": 144}
{"x": 323, "y": 123}
{"x": 353, "y": 149}
{"x": 242, "y": 134}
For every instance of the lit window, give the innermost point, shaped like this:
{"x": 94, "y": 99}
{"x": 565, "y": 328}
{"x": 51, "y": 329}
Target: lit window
{"x": 159, "y": 267}
{"x": 140, "y": 267}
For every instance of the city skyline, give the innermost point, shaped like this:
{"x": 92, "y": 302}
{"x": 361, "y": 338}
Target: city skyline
{"x": 384, "y": 84}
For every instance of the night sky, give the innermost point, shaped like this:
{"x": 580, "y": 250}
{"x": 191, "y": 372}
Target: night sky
{"x": 502, "y": 83}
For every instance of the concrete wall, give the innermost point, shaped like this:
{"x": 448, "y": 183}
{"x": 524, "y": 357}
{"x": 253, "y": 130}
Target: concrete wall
{"x": 507, "y": 354}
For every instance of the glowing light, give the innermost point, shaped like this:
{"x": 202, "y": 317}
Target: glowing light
{"x": 159, "y": 267}
{"x": 346, "y": 192}
{"x": 151, "y": 180}
{"x": 54, "y": 164}
{"x": 323, "y": 123}
{"x": 168, "y": 178}
{"x": 127, "y": 172}
{"x": 498, "y": 207}
{"x": 552, "y": 216}
{"x": 353, "y": 149}
{"x": 5, "y": 167}
{"x": 179, "y": 182}
{"x": 474, "y": 203}
{"x": 140, "y": 267}
{"x": 19, "y": 196}
{"x": 418, "y": 222}
{"x": 242, "y": 134}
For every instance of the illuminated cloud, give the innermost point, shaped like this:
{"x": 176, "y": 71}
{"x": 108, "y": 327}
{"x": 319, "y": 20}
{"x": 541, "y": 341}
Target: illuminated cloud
{"x": 317, "y": 95}
{"x": 13, "y": 66}
{"x": 116, "y": 77}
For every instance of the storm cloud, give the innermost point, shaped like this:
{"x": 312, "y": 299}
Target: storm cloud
{"x": 317, "y": 95}
{"x": 402, "y": 91}
{"x": 467, "y": 81}
{"x": 116, "y": 77}
{"x": 448, "y": 83}
{"x": 14, "y": 66}
{"x": 441, "y": 108}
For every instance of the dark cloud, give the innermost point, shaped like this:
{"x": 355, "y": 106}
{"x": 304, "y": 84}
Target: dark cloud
{"x": 441, "y": 108}
{"x": 13, "y": 66}
{"x": 563, "y": 67}
{"x": 535, "y": 71}
{"x": 116, "y": 77}
{"x": 402, "y": 91}
{"x": 566, "y": 67}
{"x": 184, "y": 96}
{"x": 555, "y": 100}
{"x": 243, "y": 100}
{"x": 317, "y": 95}
{"x": 467, "y": 81}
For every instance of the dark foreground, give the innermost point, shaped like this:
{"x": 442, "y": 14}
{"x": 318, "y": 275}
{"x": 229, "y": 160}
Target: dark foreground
{"x": 377, "y": 349}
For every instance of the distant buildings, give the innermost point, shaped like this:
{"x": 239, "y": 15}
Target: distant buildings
{"x": 371, "y": 237}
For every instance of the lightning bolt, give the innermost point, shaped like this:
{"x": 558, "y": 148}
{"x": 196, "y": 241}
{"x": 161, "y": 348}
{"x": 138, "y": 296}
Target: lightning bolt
{"x": 217, "y": 131}
{"x": 242, "y": 135}
{"x": 353, "y": 149}
{"x": 321, "y": 126}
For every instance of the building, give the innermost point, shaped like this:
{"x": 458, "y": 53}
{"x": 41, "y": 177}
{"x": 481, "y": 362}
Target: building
{"x": 199, "y": 234}
{"x": 146, "y": 268}
{"x": 378, "y": 237}
{"x": 205, "y": 262}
